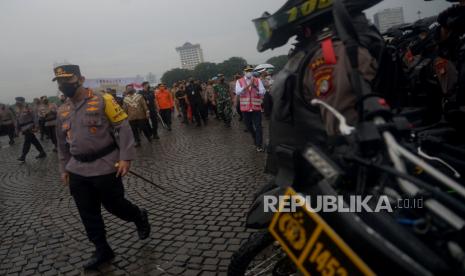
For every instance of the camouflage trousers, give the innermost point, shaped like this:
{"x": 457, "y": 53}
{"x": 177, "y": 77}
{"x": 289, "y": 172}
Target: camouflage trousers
{"x": 224, "y": 109}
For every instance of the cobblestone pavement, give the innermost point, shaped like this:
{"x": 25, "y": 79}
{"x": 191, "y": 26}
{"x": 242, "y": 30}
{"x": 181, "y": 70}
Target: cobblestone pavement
{"x": 192, "y": 234}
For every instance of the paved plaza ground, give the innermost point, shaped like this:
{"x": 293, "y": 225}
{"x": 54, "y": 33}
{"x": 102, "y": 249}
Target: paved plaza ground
{"x": 193, "y": 233}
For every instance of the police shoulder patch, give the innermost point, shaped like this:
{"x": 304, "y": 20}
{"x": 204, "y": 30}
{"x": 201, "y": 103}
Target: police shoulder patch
{"x": 440, "y": 66}
{"x": 113, "y": 110}
{"x": 323, "y": 81}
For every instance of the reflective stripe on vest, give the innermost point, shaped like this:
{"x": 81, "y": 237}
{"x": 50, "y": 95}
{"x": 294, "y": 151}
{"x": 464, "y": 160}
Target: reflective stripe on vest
{"x": 250, "y": 100}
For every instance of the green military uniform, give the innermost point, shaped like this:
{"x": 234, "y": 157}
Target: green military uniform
{"x": 223, "y": 102}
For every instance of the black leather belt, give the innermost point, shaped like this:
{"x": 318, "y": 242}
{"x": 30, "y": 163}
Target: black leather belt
{"x": 87, "y": 158}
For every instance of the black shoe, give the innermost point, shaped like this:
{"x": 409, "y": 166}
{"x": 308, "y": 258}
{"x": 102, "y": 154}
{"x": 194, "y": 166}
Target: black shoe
{"x": 169, "y": 128}
{"x": 41, "y": 155}
{"x": 99, "y": 258}
{"x": 260, "y": 149}
{"x": 156, "y": 137}
{"x": 137, "y": 145}
{"x": 55, "y": 150}
{"x": 143, "y": 227}
{"x": 227, "y": 125}
{"x": 198, "y": 125}
{"x": 12, "y": 142}
{"x": 22, "y": 159}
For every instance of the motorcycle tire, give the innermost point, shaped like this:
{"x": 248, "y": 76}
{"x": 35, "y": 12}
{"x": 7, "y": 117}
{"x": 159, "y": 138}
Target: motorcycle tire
{"x": 242, "y": 258}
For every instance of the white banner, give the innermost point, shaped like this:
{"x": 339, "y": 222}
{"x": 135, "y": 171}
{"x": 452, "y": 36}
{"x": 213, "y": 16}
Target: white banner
{"x": 113, "y": 82}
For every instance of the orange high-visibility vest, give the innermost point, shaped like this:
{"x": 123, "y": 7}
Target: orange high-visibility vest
{"x": 250, "y": 100}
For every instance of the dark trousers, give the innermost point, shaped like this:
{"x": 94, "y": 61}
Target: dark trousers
{"x": 140, "y": 125}
{"x": 183, "y": 107}
{"x": 267, "y": 104}
{"x": 30, "y": 138}
{"x": 90, "y": 193}
{"x": 211, "y": 107}
{"x": 51, "y": 132}
{"x": 154, "y": 121}
{"x": 42, "y": 130}
{"x": 198, "y": 112}
{"x": 10, "y": 130}
{"x": 165, "y": 114}
{"x": 204, "y": 111}
{"x": 238, "y": 110}
{"x": 253, "y": 122}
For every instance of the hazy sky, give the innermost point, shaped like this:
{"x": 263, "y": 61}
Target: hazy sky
{"x": 124, "y": 38}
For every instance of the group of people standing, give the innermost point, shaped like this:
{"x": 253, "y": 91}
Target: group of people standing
{"x": 92, "y": 132}
{"x": 245, "y": 93}
{"x": 26, "y": 119}
{"x": 195, "y": 101}
{"x": 146, "y": 109}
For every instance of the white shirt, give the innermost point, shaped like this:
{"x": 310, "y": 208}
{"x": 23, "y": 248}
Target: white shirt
{"x": 240, "y": 90}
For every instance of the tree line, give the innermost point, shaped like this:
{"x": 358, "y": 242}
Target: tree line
{"x": 206, "y": 70}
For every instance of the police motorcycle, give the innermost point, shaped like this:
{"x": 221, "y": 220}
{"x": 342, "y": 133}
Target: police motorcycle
{"x": 374, "y": 157}
{"x": 418, "y": 50}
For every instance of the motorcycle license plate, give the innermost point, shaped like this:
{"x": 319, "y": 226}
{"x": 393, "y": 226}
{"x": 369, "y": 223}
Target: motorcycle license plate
{"x": 313, "y": 245}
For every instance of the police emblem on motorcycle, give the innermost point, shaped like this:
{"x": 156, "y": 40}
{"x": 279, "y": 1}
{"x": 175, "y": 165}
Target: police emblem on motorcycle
{"x": 323, "y": 82}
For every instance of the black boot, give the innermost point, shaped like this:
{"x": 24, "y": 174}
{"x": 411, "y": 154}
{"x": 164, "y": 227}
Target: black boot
{"x": 22, "y": 159}
{"x": 99, "y": 257}
{"x": 143, "y": 226}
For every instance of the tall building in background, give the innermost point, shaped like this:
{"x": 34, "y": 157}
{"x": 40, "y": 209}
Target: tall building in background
{"x": 191, "y": 55}
{"x": 151, "y": 78}
{"x": 388, "y": 18}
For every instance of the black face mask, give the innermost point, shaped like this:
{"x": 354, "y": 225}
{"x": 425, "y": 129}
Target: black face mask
{"x": 69, "y": 89}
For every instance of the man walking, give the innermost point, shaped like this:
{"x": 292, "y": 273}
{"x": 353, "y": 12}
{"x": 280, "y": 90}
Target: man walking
{"x": 182, "y": 101}
{"x": 95, "y": 147}
{"x": 48, "y": 114}
{"x": 149, "y": 97}
{"x": 195, "y": 100}
{"x": 7, "y": 122}
{"x": 27, "y": 123}
{"x": 250, "y": 91}
{"x": 165, "y": 103}
{"x": 211, "y": 103}
{"x": 223, "y": 101}
{"x": 232, "y": 91}
{"x": 136, "y": 108}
